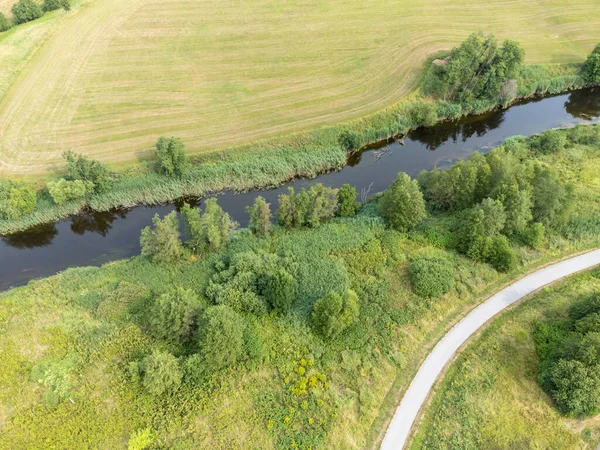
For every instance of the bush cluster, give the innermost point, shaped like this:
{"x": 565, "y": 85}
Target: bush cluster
{"x": 431, "y": 277}
{"x": 569, "y": 351}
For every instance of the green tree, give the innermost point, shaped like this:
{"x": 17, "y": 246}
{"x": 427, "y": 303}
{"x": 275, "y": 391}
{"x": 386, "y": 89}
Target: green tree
{"x": 90, "y": 171}
{"x": 4, "y": 23}
{"x": 260, "y": 217}
{"x": 50, "y": 5}
{"x": 334, "y": 313}
{"x": 63, "y": 190}
{"x": 322, "y": 204}
{"x": 402, "y": 204}
{"x": 517, "y": 205}
{"x": 161, "y": 243}
{"x": 172, "y": 159}
{"x": 347, "y": 206}
{"x": 221, "y": 341}
{"x": 285, "y": 210}
{"x": 208, "y": 231}
{"x": 478, "y": 227}
{"x": 172, "y": 315}
{"x": 591, "y": 68}
{"x": 478, "y": 69}
{"x": 552, "y": 200}
{"x": 431, "y": 277}
{"x": 65, "y": 4}
{"x": 501, "y": 255}
{"x": 551, "y": 141}
{"x": 161, "y": 372}
{"x": 280, "y": 290}
{"x": 26, "y": 11}
{"x": 20, "y": 201}
{"x": 576, "y": 388}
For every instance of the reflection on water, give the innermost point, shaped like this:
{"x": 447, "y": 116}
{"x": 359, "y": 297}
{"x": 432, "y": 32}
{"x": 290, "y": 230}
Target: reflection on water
{"x": 93, "y": 238}
{"x": 458, "y": 131}
{"x": 38, "y": 236}
{"x": 584, "y": 104}
{"x": 96, "y": 222}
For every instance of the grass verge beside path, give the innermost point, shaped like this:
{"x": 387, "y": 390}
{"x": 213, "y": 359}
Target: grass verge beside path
{"x": 490, "y": 396}
{"x": 272, "y": 162}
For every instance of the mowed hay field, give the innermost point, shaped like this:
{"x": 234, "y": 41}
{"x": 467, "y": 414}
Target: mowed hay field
{"x": 111, "y": 76}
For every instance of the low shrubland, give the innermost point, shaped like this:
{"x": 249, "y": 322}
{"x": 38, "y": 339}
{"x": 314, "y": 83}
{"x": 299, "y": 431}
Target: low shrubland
{"x": 295, "y": 335}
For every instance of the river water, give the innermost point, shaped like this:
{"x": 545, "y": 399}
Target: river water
{"x": 95, "y": 238}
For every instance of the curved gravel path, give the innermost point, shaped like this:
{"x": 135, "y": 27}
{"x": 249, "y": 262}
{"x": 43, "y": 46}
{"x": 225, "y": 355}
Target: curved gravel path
{"x": 399, "y": 430}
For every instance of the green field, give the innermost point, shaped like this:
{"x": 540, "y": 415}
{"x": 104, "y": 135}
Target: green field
{"x": 69, "y": 341}
{"x": 491, "y": 398}
{"x": 109, "y": 77}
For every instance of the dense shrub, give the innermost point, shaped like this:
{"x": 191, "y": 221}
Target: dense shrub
{"x": 307, "y": 208}
{"x": 172, "y": 159}
{"x": 62, "y": 190}
{"x": 501, "y": 255}
{"x": 402, "y": 204}
{"x": 16, "y": 200}
{"x": 517, "y": 204}
{"x": 334, "y": 313}
{"x": 260, "y": 217}
{"x": 423, "y": 114}
{"x": 161, "y": 242}
{"x": 208, "y": 231}
{"x": 172, "y": 315}
{"x": 96, "y": 175}
{"x": 347, "y": 206}
{"x": 551, "y": 141}
{"x": 570, "y": 359}
{"x": 280, "y": 290}
{"x": 349, "y": 141}
{"x": 431, "y": 277}
{"x": 591, "y": 68}
{"x": 141, "y": 439}
{"x": 253, "y": 282}
{"x": 26, "y": 11}
{"x": 221, "y": 337}
{"x": 534, "y": 235}
{"x": 160, "y": 372}
{"x": 4, "y": 23}
{"x": 463, "y": 185}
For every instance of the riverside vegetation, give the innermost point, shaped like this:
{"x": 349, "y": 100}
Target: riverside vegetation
{"x": 493, "y": 395}
{"x": 479, "y": 75}
{"x": 300, "y": 334}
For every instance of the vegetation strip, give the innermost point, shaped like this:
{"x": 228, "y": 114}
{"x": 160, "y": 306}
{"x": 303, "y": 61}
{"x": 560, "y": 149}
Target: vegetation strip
{"x": 484, "y": 85}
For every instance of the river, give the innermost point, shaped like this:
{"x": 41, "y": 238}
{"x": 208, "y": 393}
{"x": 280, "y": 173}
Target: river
{"x": 94, "y": 238}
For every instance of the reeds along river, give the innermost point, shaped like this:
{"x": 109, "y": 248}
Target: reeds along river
{"x": 95, "y": 238}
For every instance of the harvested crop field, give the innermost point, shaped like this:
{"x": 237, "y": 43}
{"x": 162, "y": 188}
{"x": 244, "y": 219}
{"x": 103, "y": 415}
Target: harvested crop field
{"x": 111, "y": 76}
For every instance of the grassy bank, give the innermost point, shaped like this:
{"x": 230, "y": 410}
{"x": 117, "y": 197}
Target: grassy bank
{"x": 272, "y": 162}
{"x": 491, "y": 397}
{"x": 68, "y": 341}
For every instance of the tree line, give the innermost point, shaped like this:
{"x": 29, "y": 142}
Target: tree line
{"x": 27, "y": 10}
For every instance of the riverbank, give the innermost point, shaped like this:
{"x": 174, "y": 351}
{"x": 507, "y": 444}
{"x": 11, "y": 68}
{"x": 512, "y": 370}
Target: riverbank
{"x": 269, "y": 163}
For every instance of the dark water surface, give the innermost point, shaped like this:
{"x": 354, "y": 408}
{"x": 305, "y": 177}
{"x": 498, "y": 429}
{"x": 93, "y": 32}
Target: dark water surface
{"x": 95, "y": 238}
